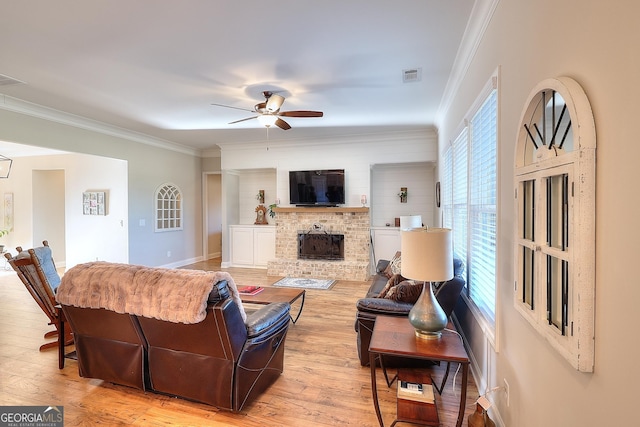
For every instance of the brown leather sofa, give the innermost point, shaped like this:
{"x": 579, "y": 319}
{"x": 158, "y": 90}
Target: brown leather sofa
{"x": 222, "y": 360}
{"x": 447, "y": 294}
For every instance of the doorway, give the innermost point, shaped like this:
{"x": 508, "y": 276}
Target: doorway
{"x": 49, "y": 211}
{"x": 213, "y": 216}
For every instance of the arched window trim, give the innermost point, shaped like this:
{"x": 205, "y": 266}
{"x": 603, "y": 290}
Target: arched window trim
{"x": 574, "y": 340}
{"x": 168, "y": 208}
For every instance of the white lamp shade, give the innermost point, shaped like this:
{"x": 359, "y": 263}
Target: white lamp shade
{"x": 408, "y": 222}
{"x": 427, "y": 254}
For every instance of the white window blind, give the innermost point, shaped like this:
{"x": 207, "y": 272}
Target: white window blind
{"x": 482, "y": 208}
{"x": 445, "y": 188}
{"x": 459, "y": 196}
{"x": 469, "y": 175}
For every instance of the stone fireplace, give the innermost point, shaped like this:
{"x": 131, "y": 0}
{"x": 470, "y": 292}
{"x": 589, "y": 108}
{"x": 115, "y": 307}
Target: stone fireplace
{"x": 351, "y": 226}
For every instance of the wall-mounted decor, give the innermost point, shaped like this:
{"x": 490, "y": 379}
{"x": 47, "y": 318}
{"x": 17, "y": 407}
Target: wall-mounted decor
{"x": 403, "y": 194}
{"x": 94, "y": 203}
{"x": 555, "y": 227}
{"x": 168, "y": 209}
{"x": 438, "y": 194}
{"x": 8, "y": 211}
{"x": 260, "y": 196}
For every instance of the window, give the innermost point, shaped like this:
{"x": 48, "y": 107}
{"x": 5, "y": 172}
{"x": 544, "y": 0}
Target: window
{"x": 168, "y": 208}
{"x": 555, "y": 227}
{"x": 482, "y": 208}
{"x": 469, "y": 203}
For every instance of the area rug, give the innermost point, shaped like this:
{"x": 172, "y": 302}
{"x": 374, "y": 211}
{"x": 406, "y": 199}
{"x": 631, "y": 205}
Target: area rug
{"x": 304, "y": 282}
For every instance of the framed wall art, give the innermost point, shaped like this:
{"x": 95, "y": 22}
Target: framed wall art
{"x": 8, "y": 211}
{"x": 94, "y": 203}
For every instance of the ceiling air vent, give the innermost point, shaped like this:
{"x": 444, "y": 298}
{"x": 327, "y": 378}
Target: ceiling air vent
{"x": 412, "y": 75}
{"x": 8, "y": 81}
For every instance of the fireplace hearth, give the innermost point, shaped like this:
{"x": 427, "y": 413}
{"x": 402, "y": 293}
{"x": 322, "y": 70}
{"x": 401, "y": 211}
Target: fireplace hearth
{"x": 321, "y": 246}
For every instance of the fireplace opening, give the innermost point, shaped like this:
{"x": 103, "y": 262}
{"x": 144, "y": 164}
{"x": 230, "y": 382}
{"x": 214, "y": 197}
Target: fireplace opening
{"x": 321, "y": 246}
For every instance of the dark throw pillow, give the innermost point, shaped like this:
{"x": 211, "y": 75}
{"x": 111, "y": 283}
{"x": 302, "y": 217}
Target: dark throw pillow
{"x": 405, "y": 291}
{"x": 394, "y": 266}
{"x": 393, "y": 281}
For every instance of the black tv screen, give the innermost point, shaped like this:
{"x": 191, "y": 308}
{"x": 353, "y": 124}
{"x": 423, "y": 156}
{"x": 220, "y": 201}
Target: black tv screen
{"x": 317, "y": 187}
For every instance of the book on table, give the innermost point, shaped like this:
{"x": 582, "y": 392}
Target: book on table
{"x": 415, "y": 391}
{"x": 250, "y": 290}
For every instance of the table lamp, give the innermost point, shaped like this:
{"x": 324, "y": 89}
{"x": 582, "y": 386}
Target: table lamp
{"x": 408, "y": 222}
{"x": 427, "y": 256}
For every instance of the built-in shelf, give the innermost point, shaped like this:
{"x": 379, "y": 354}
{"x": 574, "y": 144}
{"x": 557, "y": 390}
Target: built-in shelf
{"x": 320, "y": 209}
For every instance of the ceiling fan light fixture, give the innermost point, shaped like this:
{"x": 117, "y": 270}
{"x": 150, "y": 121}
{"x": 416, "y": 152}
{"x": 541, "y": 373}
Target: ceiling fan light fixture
{"x": 274, "y": 102}
{"x": 267, "y": 120}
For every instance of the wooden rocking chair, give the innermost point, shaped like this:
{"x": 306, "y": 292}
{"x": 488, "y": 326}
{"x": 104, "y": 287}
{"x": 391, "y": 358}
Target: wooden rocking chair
{"x": 36, "y": 269}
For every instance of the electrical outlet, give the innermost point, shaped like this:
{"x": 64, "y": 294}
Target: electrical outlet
{"x": 506, "y": 390}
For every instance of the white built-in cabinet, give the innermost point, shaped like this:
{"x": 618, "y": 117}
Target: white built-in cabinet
{"x": 386, "y": 242}
{"x": 252, "y": 245}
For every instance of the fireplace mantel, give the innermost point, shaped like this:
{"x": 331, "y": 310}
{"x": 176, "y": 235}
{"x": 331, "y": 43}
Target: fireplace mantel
{"x": 320, "y": 209}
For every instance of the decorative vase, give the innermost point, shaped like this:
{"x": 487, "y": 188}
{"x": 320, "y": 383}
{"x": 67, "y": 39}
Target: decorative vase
{"x": 426, "y": 316}
{"x": 480, "y": 418}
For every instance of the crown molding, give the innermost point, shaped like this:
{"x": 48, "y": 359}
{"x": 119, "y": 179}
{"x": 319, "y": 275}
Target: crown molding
{"x": 391, "y": 136}
{"x": 479, "y": 20}
{"x": 16, "y": 105}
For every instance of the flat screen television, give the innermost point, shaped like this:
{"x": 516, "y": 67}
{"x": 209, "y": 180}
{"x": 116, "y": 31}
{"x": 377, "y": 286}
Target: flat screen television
{"x": 323, "y": 187}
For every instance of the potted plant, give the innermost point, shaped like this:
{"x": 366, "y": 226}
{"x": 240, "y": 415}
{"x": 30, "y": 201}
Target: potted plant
{"x": 271, "y": 211}
{"x": 403, "y": 195}
{"x": 3, "y": 232}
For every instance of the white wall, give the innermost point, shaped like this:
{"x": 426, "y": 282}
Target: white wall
{"x": 386, "y": 181}
{"x": 250, "y": 182}
{"x": 86, "y": 237}
{"x": 150, "y": 164}
{"x": 595, "y": 43}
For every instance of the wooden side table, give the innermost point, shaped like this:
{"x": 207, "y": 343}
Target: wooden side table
{"x": 394, "y": 336}
{"x": 412, "y": 411}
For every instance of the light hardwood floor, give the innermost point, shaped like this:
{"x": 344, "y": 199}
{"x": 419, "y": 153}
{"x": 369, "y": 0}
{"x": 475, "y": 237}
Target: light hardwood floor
{"x": 323, "y": 383}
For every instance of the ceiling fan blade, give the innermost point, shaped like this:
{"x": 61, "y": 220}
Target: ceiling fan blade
{"x": 274, "y": 102}
{"x": 243, "y": 120}
{"x": 282, "y": 124}
{"x": 301, "y": 114}
{"x": 235, "y": 108}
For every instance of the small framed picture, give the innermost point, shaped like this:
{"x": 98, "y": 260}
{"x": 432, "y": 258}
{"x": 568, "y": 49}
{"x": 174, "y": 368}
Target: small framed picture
{"x": 94, "y": 203}
{"x": 438, "y": 194}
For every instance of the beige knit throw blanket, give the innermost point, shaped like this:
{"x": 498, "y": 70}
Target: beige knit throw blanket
{"x": 178, "y": 296}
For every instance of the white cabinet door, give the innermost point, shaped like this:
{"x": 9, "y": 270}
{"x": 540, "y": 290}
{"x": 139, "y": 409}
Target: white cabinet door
{"x": 386, "y": 242}
{"x": 242, "y": 246}
{"x": 264, "y": 246}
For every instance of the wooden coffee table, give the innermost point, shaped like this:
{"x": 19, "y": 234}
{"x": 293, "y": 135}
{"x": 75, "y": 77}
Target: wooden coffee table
{"x": 394, "y": 336}
{"x": 271, "y": 294}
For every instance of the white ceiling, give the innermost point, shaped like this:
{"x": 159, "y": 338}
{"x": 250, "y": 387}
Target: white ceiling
{"x": 156, "y": 66}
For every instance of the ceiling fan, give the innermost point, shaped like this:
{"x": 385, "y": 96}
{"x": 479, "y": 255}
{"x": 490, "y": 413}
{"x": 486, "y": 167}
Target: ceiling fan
{"x": 268, "y": 112}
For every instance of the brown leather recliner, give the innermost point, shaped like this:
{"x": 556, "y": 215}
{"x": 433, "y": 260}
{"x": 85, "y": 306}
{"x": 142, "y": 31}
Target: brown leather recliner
{"x": 221, "y": 361}
{"x": 218, "y": 361}
{"x": 109, "y": 345}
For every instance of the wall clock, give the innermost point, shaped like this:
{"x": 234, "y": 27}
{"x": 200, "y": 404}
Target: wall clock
{"x": 555, "y": 227}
